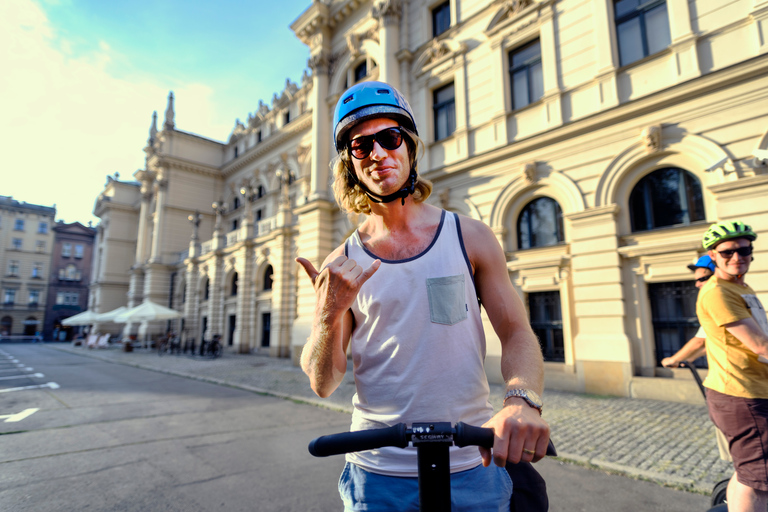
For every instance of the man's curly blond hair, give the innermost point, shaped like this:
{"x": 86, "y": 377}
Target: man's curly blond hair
{"x": 351, "y": 197}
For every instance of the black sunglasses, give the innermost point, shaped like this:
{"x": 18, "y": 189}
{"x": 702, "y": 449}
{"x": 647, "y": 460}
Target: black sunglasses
{"x": 389, "y": 138}
{"x": 703, "y": 279}
{"x": 742, "y": 251}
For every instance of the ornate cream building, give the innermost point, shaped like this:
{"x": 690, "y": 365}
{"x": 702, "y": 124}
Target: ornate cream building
{"x": 597, "y": 138}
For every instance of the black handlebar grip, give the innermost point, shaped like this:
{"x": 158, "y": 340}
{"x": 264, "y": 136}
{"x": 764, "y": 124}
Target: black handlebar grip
{"x": 360, "y": 440}
{"x": 469, "y": 435}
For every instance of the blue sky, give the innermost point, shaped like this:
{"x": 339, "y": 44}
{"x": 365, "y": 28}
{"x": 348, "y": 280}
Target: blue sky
{"x": 80, "y": 79}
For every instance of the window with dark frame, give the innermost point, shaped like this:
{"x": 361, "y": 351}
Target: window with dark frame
{"x": 361, "y": 71}
{"x": 540, "y": 224}
{"x": 666, "y": 197}
{"x": 642, "y": 28}
{"x": 526, "y": 76}
{"x": 18, "y": 225}
{"x": 268, "y": 278}
{"x": 547, "y": 324}
{"x": 444, "y": 109}
{"x": 233, "y": 288}
{"x": 207, "y": 291}
{"x": 673, "y": 313}
{"x": 287, "y": 117}
{"x": 441, "y": 18}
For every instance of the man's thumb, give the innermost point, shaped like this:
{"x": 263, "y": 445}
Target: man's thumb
{"x": 308, "y": 268}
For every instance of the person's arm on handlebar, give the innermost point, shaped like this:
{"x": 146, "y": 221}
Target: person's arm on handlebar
{"x": 517, "y": 426}
{"x": 324, "y": 358}
{"x": 692, "y": 350}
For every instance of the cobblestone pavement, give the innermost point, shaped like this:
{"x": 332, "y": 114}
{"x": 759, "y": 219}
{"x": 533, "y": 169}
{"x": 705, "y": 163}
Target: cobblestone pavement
{"x": 670, "y": 443}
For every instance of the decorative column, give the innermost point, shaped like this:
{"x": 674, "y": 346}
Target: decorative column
{"x": 683, "y": 41}
{"x": 216, "y": 283}
{"x": 322, "y": 132}
{"x": 554, "y": 110}
{"x": 606, "y": 60}
{"x": 191, "y": 296}
{"x": 388, "y": 13}
{"x": 283, "y": 291}
{"x": 161, "y": 188}
{"x": 601, "y": 348}
{"x": 245, "y": 304}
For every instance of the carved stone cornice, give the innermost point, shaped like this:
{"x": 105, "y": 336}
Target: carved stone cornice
{"x": 292, "y": 129}
{"x": 319, "y": 63}
{"x": 387, "y": 12}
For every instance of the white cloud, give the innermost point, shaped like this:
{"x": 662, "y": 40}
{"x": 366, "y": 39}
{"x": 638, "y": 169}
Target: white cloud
{"x": 67, "y": 122}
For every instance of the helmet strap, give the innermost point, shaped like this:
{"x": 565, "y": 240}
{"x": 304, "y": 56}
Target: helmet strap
{"x": 408, "y": 189}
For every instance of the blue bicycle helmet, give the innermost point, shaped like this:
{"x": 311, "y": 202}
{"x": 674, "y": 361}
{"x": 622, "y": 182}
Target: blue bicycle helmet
{"x": 703, "y": 262}
{"x": 367, "y": 100}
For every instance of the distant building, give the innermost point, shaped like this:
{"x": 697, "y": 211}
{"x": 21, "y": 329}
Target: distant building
{"x": 26, "y": 241}
{"x": 69, "y": 277}
{"x": 597, "y": 139}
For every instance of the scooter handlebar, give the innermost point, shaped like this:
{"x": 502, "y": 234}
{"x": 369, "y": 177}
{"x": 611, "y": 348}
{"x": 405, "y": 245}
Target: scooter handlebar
{"x": 360, "y": 440}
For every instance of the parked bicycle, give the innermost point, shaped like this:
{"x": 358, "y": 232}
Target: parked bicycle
{"x": 212, "y": 348}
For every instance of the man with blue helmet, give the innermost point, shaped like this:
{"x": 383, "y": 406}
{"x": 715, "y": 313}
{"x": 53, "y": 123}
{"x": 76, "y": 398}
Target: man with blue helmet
{"x": 693, "y": 348}
{"x": 402, "y": 295}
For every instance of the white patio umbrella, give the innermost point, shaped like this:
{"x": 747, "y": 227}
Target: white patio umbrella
{"x": 109, "y": 316}
{"x": 84, "y": 318}
{"x": 147, "y": 312}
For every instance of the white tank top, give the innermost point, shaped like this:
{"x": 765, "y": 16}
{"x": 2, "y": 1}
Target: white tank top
{"x": 418, "y": 348}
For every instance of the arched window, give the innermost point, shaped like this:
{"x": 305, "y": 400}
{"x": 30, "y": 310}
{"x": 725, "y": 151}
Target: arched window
{"x": 233, "y": 288}
{"x": 666, "y": 197}
{"x": 207, "y": 292}
{"x": 268, "y": 278}
{"x": 540, "y": 224}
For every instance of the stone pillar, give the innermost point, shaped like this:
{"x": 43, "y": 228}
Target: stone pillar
{"x": 216, "y": 298}
{"x": 282, "y": 254}
{"x": 554, "y": 110}
{"x": 322, "y": 131}
{"x": 191, "y": 300}
{"x": 760, "y": 16}
{"x": 606, "y": 60}
{"x": 161, "y": 188}
{"x": 683, "y": 41}
{"x": 245, "y": 305}
{"x": 388, "y": 13}
{"x": 601, "y": 348}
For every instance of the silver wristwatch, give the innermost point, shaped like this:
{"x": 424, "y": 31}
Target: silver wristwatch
{"x": 530, "y": 396}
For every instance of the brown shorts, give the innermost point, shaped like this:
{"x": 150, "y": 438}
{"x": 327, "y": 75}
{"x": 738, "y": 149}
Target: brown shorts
{"x": 744, "y": 421}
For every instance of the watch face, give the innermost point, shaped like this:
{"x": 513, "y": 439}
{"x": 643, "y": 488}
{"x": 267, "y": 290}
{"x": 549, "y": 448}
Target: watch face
{"x": 533, "y": 397}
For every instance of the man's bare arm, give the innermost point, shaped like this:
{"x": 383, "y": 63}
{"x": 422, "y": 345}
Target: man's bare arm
{"x": 519, "y": 428}
{"x": 324, "y": 357}
{"x": 692, "y": 350}
{"x": 751, "y": 335}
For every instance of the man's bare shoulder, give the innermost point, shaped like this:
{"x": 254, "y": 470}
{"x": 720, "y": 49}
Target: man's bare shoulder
{"x": 474, "y": 231}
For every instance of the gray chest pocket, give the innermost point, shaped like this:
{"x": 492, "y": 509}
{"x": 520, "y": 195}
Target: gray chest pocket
{"x": 447, "y": 304}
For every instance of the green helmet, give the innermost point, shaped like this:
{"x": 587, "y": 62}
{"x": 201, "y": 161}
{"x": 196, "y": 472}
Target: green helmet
{"x": 728, "y": 230}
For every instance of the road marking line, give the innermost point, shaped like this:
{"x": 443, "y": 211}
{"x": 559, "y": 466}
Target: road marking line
{"x": 12, "y": 418}
{"x": 36, "y": 375}
{"x": 18, "y": 369}
{"x": 51, "y": 385}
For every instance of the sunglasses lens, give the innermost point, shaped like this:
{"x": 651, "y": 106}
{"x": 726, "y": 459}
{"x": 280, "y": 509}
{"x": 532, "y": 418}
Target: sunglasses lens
{"x": 741, "y": 251}
{"x": 390, "y": 138}
{"x": 361, "y": 147}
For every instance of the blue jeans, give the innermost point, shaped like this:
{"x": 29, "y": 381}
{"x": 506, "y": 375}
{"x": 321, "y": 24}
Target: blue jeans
{"x": 476, "y": 490}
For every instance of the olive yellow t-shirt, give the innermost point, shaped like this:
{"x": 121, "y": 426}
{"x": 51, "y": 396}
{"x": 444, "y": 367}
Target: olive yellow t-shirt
{"x": 733, "y": 368}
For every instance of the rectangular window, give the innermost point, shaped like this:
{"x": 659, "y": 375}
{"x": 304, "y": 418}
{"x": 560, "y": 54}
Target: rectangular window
{"x": 13, "y": 268}
{"x": 34, "y": 297}
{"x": 642, "y": 28}
{"x": 444, "y": 108}
{"x": 18, "y": 225}
{"x": 17, "y": 244}
{"x": 78, "y": 251}
{"x": 258, "y": 136}
{"x": 66, "y": 250}
{"x": 67, "y": 298}
{"x": 37, "y": 270}
{"x": 526, "y": 76}
{"x": 40, "y": 246}
{"x": 547, "y": 323}
{"x": 42, "y": 227}
{"x": 287, "y": 117}
{"x": 361, "y": 71}
{"x": 9, "y": 296}
{"x": 441, "y": 18}
{"x": 673, "y": 311}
